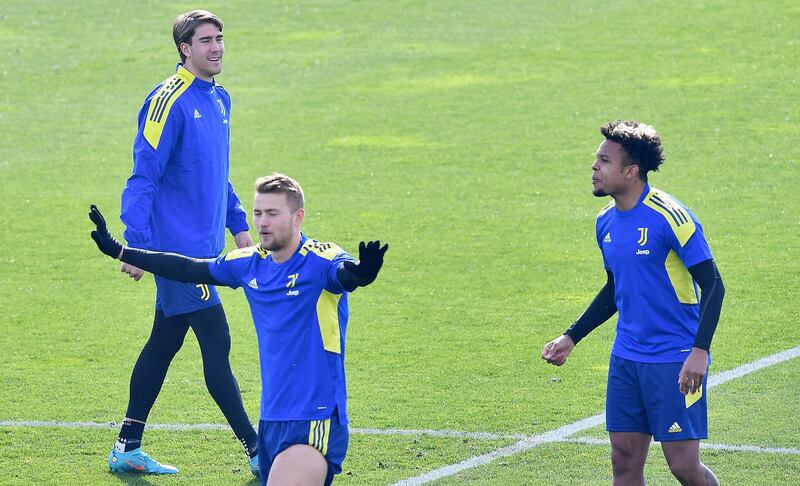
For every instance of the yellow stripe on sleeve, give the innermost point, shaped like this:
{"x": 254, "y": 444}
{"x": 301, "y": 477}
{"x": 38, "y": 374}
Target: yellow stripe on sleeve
{"x": 161, "y": 104}
{"x": 678, "y": 218}
{"x": 246, "y": 252}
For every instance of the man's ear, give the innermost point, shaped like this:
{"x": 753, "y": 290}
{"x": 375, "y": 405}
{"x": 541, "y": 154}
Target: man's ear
{"x": 632, "y": 171}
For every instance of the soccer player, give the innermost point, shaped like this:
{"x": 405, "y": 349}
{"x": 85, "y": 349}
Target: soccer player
{"x": 655, "y": 257}
{"x": 179, "y": 198}
{"x": 297, "y": 290}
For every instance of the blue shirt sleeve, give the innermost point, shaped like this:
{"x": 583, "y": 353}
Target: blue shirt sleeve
{"x": 333, "y": 285}
{"x": 236, "y": 217}
{"x": 696, "y": 249}
{"x": 227, "y": 272}
{"x": 148, "y": 167}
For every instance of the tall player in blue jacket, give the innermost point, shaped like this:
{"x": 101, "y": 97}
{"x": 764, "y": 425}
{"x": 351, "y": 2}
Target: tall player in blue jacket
{"x": 297, "y": 289}
{"x": 179, "y": 198}
{"x": 655, "y": 256}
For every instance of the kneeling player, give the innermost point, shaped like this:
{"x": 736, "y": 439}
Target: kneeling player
{"x": 297, "y": 290}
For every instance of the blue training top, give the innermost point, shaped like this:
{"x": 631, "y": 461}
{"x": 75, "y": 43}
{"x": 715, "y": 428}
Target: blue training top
{"x": 179, "y": 197}
{"x": 648, "y": 249}
{"x": 300, "y": 313}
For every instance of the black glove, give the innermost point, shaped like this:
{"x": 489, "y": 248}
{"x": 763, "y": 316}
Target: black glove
{"x": 370, "y": 256}
{"x": 101, "y": 236}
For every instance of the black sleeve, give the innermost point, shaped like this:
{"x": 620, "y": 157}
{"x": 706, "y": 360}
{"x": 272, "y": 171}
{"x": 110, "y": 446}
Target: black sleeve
{"x": 712, "y": 291}
{"x": 599, "y": 311}
{"x": 346, "y": 278}
{"x": 170, "y": 265}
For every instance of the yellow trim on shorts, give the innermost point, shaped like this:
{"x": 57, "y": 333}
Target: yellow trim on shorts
{"x": 318, "y": 435}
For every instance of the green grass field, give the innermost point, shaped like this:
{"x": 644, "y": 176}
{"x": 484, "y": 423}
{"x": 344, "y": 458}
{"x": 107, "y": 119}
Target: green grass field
{"x": 462, "y": 134}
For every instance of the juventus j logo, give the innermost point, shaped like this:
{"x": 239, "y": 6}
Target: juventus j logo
{"x": 292, "y": 280}
{"x": 642, "y": 236}
{"x": 205, "y": 294}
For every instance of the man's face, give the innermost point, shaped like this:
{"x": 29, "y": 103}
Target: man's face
{"x": 204, "y": 55}
{"x": 275, "y": 220}
{"x": 609, "y": 174}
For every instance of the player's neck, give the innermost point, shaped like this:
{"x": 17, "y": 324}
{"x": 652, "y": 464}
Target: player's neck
{"x": 197, "y": 73}
{"x": 627, "y": 200}
{"x": 287, "y": 251}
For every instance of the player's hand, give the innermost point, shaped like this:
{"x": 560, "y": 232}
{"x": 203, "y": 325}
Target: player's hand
{"x": 243, "y": 239}
{"x": 556, "y": 351}
{"x": 105, "y": 242}
{"x": 135, "y": 273}
{"x": 370, "y": 260}
{"x": 693, "y": 372}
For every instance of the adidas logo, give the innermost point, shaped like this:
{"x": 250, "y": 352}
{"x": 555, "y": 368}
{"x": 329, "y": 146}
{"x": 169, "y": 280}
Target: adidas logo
{"x": 674, "y": 428}
{"x": 607, "y": 239}
{"x": 252, "y": 284}
{"x": 197, "y": 114}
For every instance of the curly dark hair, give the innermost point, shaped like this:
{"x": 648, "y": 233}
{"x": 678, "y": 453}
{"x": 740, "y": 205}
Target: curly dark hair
{"x": 641, "y": 142}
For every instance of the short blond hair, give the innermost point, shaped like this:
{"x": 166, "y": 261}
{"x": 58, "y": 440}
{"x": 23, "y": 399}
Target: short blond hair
{"x": 281, "y": 183}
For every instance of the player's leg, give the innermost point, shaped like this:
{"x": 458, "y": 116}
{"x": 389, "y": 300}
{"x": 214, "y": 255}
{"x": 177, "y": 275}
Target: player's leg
{"x": 149, "y": 372}
{"x": 299, "y": 465}
{"x": 302, "y": 451}
{"x": 683, "y": 457}
{"x": 626, "y": 422}
{"x": 628, "y": 455}
{"x": 213, "y": 335}
{"x": 679, "y": 422}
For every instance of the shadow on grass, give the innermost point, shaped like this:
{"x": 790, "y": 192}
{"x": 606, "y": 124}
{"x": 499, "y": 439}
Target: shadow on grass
{"x": 134, "y": 479}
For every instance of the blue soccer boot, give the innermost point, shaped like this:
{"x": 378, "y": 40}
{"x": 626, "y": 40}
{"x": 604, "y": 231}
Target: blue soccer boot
{"x": 137, "y": 461}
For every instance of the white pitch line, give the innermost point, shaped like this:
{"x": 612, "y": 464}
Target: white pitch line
{"x": 423, "y": 432}
{"x": 524, "y": 442}
{"x": 703, "y": 445}
{"x": 106, "y": 425}
{"x": 521, "y": 446}
{"x": 188, "y": 427}
{"x": 581, "y": 425}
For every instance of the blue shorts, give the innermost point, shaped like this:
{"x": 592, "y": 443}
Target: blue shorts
{"x": 644, "y": 397}
{"x": 329, "y": 437}
{"x": 175, "y": 298}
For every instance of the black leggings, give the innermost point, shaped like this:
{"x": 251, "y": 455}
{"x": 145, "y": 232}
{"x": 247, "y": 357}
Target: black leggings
{"x": 210, "y": 326}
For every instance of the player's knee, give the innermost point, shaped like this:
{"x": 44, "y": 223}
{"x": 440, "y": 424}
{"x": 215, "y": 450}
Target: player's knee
{"x": 626, "y": 461}
{"x": 220, "y": 379}
{"x": 164, "y": 345}
{"x": 685, "y": 471}
{"x": 222, "y": 345}
{"x": 214, "y": 344}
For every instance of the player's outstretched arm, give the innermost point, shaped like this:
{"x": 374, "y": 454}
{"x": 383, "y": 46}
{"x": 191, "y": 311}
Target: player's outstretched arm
{"x": 363, "y": 273}
{"x": 169, "y": 265}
